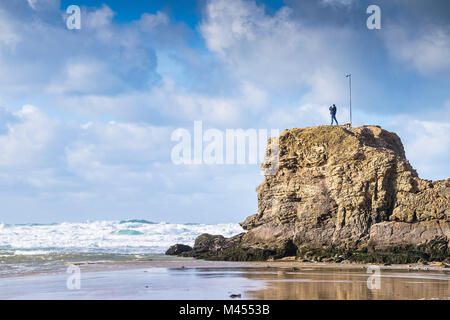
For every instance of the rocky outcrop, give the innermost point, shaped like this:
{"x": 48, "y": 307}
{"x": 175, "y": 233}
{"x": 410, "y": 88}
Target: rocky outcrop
{"x": 343, "y": 194}
{"x": 178, "y": 249}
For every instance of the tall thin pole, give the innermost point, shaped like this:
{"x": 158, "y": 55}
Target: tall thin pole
{"x": 349, "y": 76}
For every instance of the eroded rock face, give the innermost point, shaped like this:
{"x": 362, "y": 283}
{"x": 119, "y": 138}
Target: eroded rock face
{"x": 347, "y": 190}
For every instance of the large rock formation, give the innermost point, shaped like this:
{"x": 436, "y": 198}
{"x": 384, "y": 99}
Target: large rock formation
{"x": 342, "y": 193}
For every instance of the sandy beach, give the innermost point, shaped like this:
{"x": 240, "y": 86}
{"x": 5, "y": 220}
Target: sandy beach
{"x": 204, "y": 280}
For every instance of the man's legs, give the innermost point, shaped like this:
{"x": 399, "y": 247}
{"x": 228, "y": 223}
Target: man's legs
{"x": 333, "y": 118}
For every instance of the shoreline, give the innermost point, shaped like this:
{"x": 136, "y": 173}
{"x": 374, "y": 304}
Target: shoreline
{"x": 180, "y": 263}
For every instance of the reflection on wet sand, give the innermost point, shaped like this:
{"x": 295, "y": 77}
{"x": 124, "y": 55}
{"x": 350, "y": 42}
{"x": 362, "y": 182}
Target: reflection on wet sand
{"x": 200, "y": 280}
{"x": 318, "y": 283}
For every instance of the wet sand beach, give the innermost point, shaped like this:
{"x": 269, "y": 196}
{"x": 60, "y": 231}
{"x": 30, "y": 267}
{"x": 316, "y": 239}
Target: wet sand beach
{"x": 191, "y": 279}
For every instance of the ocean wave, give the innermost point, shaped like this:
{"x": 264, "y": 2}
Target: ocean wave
{"x": 138, "y": 221}
{"x": 126, "y": 236}
{"x": 128, "y": 233}
{"x": 32, "y": 252}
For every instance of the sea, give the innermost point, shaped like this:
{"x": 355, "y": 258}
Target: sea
{"x": 43, "y": 248}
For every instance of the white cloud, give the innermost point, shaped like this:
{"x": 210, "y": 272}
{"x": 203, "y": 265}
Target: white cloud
{"x": 427, "y": 145}
{"x": 426, "y": 140}
{"x": 44, "y": 55}
{"x": 32, "y": 3}
{"x": 298, "y": 116}
{"x": 40, "y": 151}
{"x": 118, "y": 154}
{"x": 85, "y": 77}
{"x": 277, "y": 54}
{"x": 176, "y": 103}
{"x": 431, "y": 140}
{"x": 427, "y": 52}
{"x": 100, "y": 18}
{"x": 151, "y": 21}
{"x": 9, "y": 37}
{"x": 327, "y": 86}
{"x": 26, "y": 138}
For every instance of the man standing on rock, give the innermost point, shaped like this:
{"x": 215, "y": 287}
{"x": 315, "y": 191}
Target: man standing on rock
{"x": 333, "y": 111}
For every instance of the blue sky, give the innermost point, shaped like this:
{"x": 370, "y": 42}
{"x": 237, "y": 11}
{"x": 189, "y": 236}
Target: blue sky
{"x": 86, "y": 115}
